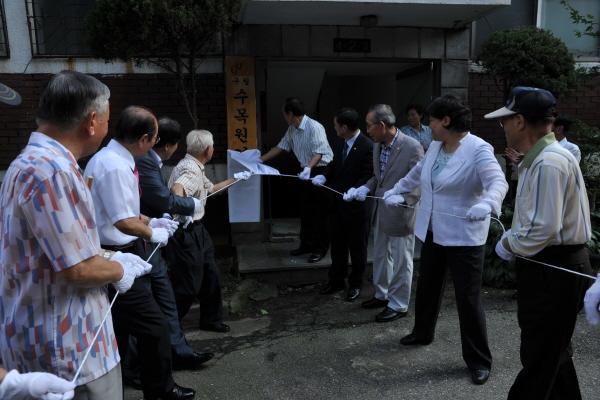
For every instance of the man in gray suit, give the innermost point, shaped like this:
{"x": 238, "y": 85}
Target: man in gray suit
{"x": 394, "y": 244}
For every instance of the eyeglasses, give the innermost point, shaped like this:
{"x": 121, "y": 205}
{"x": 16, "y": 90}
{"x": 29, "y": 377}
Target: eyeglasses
{"x": 501, "y": 120}
{"x": 157, "y": 139}
{"x": 370, "y": 125}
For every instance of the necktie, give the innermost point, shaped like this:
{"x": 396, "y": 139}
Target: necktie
{"x": 345, "y": 153}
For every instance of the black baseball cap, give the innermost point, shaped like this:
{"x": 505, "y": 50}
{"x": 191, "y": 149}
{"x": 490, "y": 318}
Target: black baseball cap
{"x": 9, "y": 96}
{"x": 532, "y": 102}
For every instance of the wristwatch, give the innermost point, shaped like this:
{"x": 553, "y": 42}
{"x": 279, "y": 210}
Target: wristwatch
{"x": 107, "y": 254}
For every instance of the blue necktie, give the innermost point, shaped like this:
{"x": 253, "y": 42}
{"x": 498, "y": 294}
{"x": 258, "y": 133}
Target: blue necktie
{"x": 345, "y": 153}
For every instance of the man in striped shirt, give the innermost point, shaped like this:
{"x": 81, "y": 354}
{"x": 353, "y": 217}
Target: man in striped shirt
{"x": 551, "y": 224}
{"x": 307, "y": 139}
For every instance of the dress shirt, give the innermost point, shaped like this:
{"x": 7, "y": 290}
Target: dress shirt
{"x": 189, "y": 172}
{"x": 423, "y": 135}
{"x": 156, "y": 158}
{"x": 573, "y": 148}
{"x": 115, "y": 190}
{"x": 385, "y": 153}
{"x": 47, "y": 224}
{"x": 306, "y": 141}
{"x": 551, "y": 206}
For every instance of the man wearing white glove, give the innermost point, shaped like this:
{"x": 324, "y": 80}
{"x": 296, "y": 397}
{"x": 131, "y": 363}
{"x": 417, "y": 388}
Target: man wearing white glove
{"x": 47, "y": 205}
{"x": 591, "y": 302}
{"x": 551, "y": 225}
{"x": 117, "y": 190}
{"x": 394, "y": 155}
{"x": 352, "y": 166}
{"x": 307, "y": 139}
{"x": 33, "y": 386}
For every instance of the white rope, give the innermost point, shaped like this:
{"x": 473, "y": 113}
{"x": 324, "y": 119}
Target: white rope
{"x": 458, "y": 216}
{"x": 101, "y": 325}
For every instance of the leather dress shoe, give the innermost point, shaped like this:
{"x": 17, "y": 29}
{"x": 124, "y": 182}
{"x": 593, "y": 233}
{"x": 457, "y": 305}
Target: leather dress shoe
{"x": 177, "y": 393}
{"x": 480, "y": 376}
{"x": 193, "y": 361}
{"x": 220, "y": 327}
{"x": 389, "y": 314}
{"x": 353, "y": 293}
{"x": 299, "y": 251}
{"x": 315, "y": 258}
{"x": 411, "y": 340}
{"x": 329, "y": 289}
{"x": 374, "y": 303}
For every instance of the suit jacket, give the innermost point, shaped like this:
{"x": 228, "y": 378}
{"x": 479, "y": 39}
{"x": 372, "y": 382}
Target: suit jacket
{"x": 354, "y": 172}
{"x": 156, "y": 198}
{"x": 406, "y": 153}
{"x": 457, "y": 188}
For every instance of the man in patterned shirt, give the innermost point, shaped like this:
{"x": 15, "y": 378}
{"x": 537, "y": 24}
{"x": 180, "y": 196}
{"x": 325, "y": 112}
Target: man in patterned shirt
{"x": 52, "y": 298}
{"x": 307, "y": 139}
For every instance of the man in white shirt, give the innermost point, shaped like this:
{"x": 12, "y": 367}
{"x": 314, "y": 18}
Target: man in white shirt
{"x": 560, "y": 126}
{"x": 117, "y": 193}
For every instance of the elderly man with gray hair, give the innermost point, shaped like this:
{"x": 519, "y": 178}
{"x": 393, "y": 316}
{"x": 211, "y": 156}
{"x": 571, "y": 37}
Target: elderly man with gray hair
{"x": 194, "y": 272}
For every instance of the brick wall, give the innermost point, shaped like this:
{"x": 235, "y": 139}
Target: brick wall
{"x": 155, "y": 91}
{"x": 485, "y": 97}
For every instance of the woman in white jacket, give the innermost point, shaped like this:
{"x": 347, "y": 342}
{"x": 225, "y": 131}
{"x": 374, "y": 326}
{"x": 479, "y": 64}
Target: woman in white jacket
{"x": 461, "y": 184}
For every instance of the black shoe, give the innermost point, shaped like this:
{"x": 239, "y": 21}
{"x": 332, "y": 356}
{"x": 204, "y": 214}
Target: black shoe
{"x": 388, "y": 315}
{"x": 135, "y": 383}
{"x": 480, "y": 376}
{"x": 332, "y": 288}
{"x": 411, "y": 340}
{"x": 374, "y": 303}
{"x": 298, "y": 252}
{"x": 220, "y": 327}
{"x": 193, "y": 361}
{"x": 177, "y": 393}
{"x": 315, "y": 258}
{"x": 353, "y": 293}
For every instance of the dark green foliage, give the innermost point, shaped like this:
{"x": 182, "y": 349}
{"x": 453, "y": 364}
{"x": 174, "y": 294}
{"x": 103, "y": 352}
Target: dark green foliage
{"x": 529, "y": 56}
{"x": 496, "y": 271}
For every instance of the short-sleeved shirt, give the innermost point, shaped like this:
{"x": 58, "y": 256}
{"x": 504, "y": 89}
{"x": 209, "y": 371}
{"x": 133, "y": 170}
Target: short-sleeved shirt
{"x": 423, "y": 135}
{"x": 189, "y": 172}
{"x": 115, "y": 190}
{"x": 306, "y": 141}
{"x": 47, "y": 224}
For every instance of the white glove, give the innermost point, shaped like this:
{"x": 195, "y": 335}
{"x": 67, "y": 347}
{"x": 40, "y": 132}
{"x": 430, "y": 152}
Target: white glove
{"x": 591, "y": 302}
{"x": 349, "y": 195}
{"x": 166, "y": 223}
{"x": 35, "y": 385}
{"x": 479, "y": 212}
{"x": 394, "y": 200}
{"x": 242, "y": 176}
{"x": 197, "y": 205}
{"x": 304, "y": 175}
{"x": 391, "y": 192}
{"x": 319, "y": 180}
{"x": 160, "y": 236}
{"x": 501, "y": 251}
{"x": 133, "y": 267}
{"x": 258, "y": 160}
{"x": 186, "y": 220}
{"x": 361, "y": 193}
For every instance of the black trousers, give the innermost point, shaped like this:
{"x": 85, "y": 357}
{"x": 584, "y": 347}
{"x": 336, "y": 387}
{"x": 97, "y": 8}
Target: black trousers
{"x": 194, "y": 273}
{"x": 466, "y": 266}
{"x": 136, "y": 313}
{"x": 548, "y": 303}
{"x": 349, "y": 236}
{"x": 314, "y": 216}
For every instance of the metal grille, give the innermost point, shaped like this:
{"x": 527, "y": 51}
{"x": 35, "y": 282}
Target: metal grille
{"x": 4, "y": 51}
{"x": 57, "y": 27}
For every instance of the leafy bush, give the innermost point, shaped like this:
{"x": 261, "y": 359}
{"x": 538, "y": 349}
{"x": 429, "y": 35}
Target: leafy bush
{"x": 496, "y": 271}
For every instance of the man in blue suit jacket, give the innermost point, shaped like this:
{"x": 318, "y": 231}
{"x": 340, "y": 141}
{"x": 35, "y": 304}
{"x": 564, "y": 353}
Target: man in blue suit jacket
{"x": 156, "y": 200}
{"x": 351, "y": 167}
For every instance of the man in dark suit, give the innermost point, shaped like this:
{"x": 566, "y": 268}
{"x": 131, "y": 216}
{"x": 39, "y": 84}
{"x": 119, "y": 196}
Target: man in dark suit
{"x": 351, "y": 167}
{"x": 156, "y": 200}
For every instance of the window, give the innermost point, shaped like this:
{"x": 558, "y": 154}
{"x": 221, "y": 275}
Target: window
{"x": 4, "y": 52}
{"x": 554, "y": 16}
{"x": 57, "y": 27}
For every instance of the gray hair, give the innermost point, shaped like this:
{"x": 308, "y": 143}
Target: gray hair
{"x": 198, "y": 141}
{"x": 383, "y": 112}
{"x": 69, "y": 98}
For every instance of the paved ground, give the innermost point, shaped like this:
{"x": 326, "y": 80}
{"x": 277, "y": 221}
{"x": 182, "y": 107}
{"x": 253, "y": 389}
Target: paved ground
{"x": 306, "y": 346}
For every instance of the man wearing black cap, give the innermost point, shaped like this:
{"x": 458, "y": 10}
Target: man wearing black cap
{"x": 551, "y": 224}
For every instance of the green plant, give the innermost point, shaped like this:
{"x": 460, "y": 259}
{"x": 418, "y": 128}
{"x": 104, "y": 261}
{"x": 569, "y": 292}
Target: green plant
{"x": 496, "y": 271}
